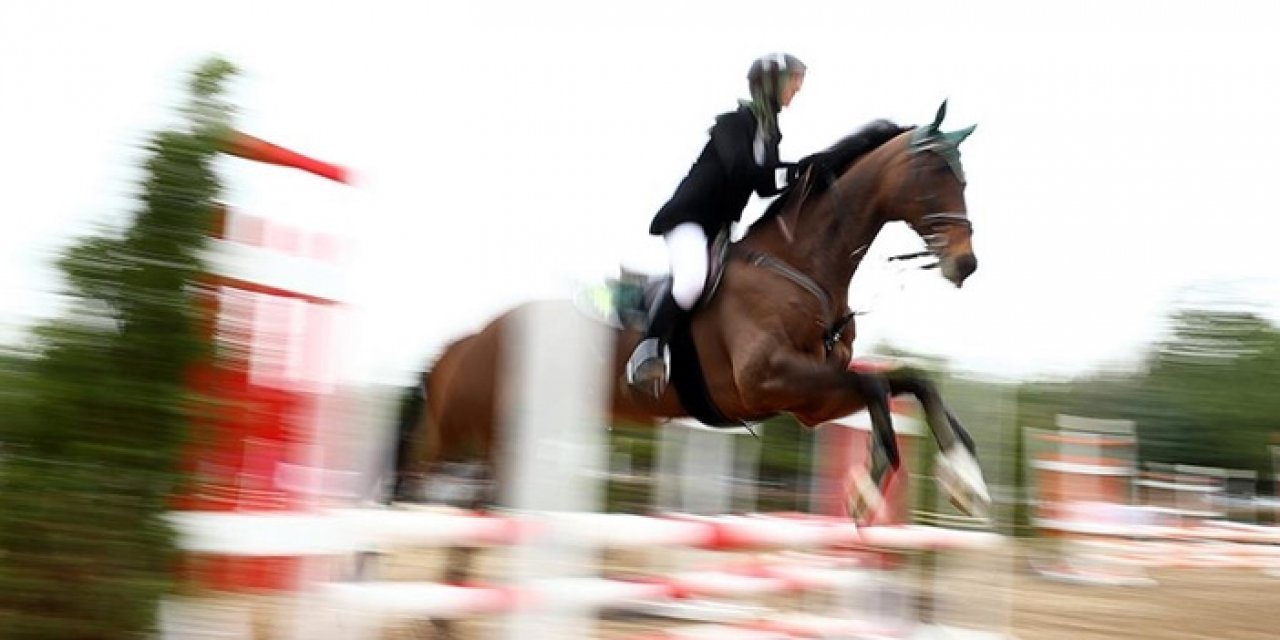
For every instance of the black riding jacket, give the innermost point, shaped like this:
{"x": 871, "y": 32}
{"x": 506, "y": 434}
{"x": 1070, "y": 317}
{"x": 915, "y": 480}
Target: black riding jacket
{"x": 721, "y": 180}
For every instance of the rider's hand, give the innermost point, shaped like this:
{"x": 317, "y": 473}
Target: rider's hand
{"x": 795, "y": 170}
{"x": 783, "y": 176}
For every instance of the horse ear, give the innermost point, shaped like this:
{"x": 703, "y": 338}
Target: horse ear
{"x": 937, "y": 120}
{"x": 956, "y": 137}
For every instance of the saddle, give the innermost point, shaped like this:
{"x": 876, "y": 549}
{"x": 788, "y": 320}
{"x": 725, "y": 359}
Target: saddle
{"x": 634, "y": 293}
{"x": 624, "y": 302}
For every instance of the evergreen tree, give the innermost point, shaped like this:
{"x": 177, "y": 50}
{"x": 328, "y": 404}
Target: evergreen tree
{"x": 94, "y": 429}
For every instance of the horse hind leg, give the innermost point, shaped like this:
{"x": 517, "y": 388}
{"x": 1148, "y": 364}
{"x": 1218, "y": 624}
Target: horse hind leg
{"x": 464, "y": 485}
{"x": 459, "y": 560}
{"x": 411, "y": 431}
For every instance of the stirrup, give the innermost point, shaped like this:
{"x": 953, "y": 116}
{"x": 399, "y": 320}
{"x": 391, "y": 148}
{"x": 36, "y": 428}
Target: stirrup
{"x": 649, "y": 368}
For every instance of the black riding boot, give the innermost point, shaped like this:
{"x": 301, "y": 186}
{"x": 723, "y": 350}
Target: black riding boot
{"x": 648, "y": 368}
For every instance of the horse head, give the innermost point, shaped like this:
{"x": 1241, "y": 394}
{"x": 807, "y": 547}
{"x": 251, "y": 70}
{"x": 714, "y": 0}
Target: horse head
{"x": 881, "y": 173}
{"x": 929, "y": 196}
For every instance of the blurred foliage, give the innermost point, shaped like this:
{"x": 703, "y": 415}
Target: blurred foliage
{"x": 786, "y": 462}
{"x": 1205, "y": 395}
{"x": 1212, "y": 392}
{"x": 97, "y": 413}
{"x": 634, "y": 447}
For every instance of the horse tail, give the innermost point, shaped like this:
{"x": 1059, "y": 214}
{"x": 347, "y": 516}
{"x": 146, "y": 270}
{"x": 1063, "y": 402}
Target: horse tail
{"x": 411, "y": 428}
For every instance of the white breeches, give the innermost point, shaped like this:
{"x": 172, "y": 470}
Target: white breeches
{"x": 687, "y": 247}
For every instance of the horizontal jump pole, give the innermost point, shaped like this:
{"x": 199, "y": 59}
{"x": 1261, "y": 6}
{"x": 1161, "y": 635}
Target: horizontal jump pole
{"x": 1075, "y": 467}
{"x": 1090, "y": 440}
{"x": 344, "y": 531}
{"x": 243, "y": 145}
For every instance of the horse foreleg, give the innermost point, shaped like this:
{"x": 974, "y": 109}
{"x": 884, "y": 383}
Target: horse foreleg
{"x": 941, "y": 422}
{"x": 875, "y": 390}
{"x": 962, "y": 434}
{"x": 957, "y": 471}
{"x": 871, "y": 485}
{"x": 815, "y": 392}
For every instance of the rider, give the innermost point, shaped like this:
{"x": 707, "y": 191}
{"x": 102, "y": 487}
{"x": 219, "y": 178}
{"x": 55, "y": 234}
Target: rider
{"x": 740, "y": 157}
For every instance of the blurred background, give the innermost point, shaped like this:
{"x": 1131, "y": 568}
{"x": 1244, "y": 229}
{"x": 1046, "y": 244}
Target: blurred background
{"x": 237, "y": 233}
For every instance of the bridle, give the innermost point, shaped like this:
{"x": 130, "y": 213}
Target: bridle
{"x": 931, "y": 228}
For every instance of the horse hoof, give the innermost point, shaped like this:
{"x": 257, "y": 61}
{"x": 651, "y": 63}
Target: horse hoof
{"x": 961, "y": 477}
{"x": 865, "y": 501}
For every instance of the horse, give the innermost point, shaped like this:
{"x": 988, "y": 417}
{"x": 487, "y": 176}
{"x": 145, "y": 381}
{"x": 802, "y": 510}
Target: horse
{"x": 776, "y": 335}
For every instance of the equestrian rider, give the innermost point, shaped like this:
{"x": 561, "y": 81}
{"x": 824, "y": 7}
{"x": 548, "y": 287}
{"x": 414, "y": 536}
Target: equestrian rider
{"x": 740, "y": 157}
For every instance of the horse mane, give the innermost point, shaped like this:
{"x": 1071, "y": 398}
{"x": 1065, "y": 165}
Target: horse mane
{"x": 833, "y": 161}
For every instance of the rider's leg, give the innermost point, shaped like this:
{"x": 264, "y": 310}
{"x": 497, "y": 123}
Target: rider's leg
{"x": 687, "y": 248}
{"x": 647, "y": 369}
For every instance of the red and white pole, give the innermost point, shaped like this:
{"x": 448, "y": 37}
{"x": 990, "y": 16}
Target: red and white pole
{"x": 271, "y": 312}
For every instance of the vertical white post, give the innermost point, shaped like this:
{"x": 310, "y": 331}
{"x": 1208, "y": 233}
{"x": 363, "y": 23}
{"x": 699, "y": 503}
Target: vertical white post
{"x": 707, "y": 463}
{"x": 556, "y": 388}
{"x": 701, "y": 469}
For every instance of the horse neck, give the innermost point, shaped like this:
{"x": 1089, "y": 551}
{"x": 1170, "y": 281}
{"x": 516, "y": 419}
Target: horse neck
{"x": 831, "y": 234}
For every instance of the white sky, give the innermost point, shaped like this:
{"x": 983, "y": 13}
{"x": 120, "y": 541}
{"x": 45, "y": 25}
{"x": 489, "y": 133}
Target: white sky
{"x": 1125, "y": 156}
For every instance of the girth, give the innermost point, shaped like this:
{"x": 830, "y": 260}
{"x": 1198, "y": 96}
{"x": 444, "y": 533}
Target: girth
{"x": 760, "y": 259}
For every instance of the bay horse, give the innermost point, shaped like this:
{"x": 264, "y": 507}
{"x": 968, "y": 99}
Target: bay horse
{"x": 776, "y": 336}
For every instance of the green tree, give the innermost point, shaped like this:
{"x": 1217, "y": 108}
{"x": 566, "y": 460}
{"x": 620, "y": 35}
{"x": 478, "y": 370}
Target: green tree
{"x": 1211, "y": 391}
{"x": 1206, "y": 395}
{"x": 93, "y": 436}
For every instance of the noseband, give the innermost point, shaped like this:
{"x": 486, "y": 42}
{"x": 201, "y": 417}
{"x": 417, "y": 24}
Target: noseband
{"x": 931, "y": 229}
